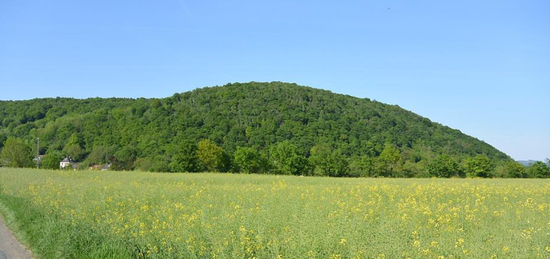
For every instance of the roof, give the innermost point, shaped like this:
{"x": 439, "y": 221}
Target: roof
{"x": 67, "y": 159}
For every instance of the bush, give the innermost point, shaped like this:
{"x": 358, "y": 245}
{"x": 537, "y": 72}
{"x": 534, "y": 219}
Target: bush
{"x": 539, "y": 170}
{"x": 248, "y": 160}
{"x": 15, "y": 153}
{"x": 479, "y": 166}
{"x": 444, "y": 166}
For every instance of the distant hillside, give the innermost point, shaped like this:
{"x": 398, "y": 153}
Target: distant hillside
{"x": 254, "y": 115}
{"x": 526, "y": 162}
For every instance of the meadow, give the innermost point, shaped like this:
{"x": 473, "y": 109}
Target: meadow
{"x": 66, "y": 214}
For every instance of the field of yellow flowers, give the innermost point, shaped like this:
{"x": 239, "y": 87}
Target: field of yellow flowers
{"x": 144, "y": 215}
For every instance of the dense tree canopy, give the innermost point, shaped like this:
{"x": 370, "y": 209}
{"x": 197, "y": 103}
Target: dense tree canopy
{"x": 328, "y": 162}
{"x": 539, "y": 170}
{"x": 15, "y": 153}
{"x": 515, "y": 170}
{"x": 388, "y": 160}
{"x": 295, "y": 129}
{"x": 184, "y": 158}
{"x": 249, "y": 160}
{"x": 51, "y": 160}
{"x": 212, "y": 156}
{"x": 444, "y": 166}
{"x": 478, "y": 166}
{"x": 287, "y": 160}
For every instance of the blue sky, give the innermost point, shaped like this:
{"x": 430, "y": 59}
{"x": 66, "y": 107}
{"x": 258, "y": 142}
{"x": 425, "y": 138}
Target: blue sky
{"x": 479, "y": 66}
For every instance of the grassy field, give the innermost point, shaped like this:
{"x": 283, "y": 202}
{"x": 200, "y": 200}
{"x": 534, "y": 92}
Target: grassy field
{"x": 63, "y": 214}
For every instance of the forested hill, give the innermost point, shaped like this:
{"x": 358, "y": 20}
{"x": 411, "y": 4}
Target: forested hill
{"x": 153, "y": 134}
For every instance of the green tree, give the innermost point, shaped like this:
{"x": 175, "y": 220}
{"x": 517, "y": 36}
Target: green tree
{"x": 340, "y": 165}
{"x": 15, "y": 153}
{"x": 443, "y": 166}
{"x": 326, "y": 162}
{"x": 143, "y": 164}
{"x": 2, "y": 139}
{"x": 287, "y": 160}
{"x": 412, "y": 169}
{"x": 51, "y": 159}
{"x": 515, "y": 170}
{"x": 212, "y": 156}
{"x": 124, "y": 159}
{"x": 99, "y": 155}
{"x": 157, "y": 163}
{"x": 74, "y": 149}
{"x": 362, "y": 167}
{"x": 249, "y": 160}
{"x": 183, "y": 158}
{"x": 388, "y": 159}
{"x": 320, "y": 160}
{"x": 254, "y": 115}
{"x": 539, "y": 170}
{"x": 479, "y": 166}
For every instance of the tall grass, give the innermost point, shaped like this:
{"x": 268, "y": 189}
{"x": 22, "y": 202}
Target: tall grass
{"x": 64, "y": 214}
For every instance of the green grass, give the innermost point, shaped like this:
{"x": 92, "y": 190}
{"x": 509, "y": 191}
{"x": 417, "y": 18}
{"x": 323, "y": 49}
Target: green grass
{"x": 64, "y": 214}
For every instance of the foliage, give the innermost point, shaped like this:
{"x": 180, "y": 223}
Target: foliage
{"x": 2, "y": 140}
{"x": 287, "y": 160}
{"x": 254, "y": 115}
{"x": 388, "y": 160}
{"x": 124, "y": 159}
{"x": 539, "y": 170}
{"x": 363, "y": 167}
{"x": 328, "y": 162}
{"x": 100, "y": 155}
{"x": 212, "y": 156}
{"x": 51, "y": 160}
{"x": 339, "y": 165}
{"x": 73, "y": 147}
{"x": 15, "y": 153}
{"x": 444, "y": 166}
{"x": 249, "y": 160}
{"x": 184, "y": 158}
{"x": 478, "y": 166}
{"x": 158, "y": 163}
{"x": 74, "y": 151}
{"x": 515, "y": 170}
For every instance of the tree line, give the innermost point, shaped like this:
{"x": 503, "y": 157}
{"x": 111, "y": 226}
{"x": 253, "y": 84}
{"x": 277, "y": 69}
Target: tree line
{"x": 332, "y": 134}
{"x": 282, "y": 158}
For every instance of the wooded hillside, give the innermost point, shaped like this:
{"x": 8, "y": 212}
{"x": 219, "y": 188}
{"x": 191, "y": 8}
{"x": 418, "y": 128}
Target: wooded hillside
{"x": 254, "y": 127}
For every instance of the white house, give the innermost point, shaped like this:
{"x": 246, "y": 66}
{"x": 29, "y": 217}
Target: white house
{"x": 67, "y": 163}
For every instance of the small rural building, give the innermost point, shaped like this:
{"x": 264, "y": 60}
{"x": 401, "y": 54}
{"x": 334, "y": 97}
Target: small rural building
{"x": 106, "y": 167}
{"x": 67, "y": 163}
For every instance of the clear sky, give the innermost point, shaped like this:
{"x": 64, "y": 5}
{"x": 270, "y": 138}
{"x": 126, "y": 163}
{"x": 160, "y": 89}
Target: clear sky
{"x": 482, "y": 67}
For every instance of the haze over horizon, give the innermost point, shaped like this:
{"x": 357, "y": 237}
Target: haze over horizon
{"x": 480, "y": 67}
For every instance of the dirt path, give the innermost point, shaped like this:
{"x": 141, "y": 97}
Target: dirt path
{"x": 10, "y": 248}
